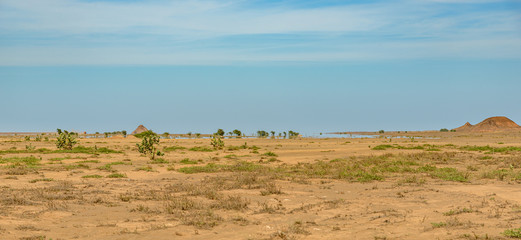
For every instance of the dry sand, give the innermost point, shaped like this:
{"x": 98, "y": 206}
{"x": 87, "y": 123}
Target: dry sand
{"x": 291, "y": 194}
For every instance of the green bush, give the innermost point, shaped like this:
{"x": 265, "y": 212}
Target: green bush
{"x": 513, "y": 233}
{"x": 217, "y": 142}
{"x": 148, "y": 145}
{"x": 66, "y": 140}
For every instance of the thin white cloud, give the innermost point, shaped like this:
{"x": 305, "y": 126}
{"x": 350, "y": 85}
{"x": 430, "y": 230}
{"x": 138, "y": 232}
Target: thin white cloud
{"x": 192, "y": 32}
{"x": 179, "y": 17}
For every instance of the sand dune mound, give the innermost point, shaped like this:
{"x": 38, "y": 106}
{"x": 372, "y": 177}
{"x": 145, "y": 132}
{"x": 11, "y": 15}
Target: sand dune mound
{"x": 139, "y": 129}
{"x": 493, "y": 124}
{"x": 465, "y": 127}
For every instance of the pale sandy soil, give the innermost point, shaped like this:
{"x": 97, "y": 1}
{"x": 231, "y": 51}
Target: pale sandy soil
{"x": 293, "y": 195}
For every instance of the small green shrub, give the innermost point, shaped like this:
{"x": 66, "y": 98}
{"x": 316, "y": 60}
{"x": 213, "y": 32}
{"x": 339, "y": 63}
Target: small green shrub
{"x": 173, "y": 148}
{"x": 148, "y": 144}
{"x": 438, "y": 224}
{"x": 117, "y": 175}
{"x": 29, "y": 147}
{"x": 92, "y": 176}
{"x": 65, "y": 140}
{"x": 270, "y": 154}
{"x": 217, "y": 142}
{"x": 513, "y": 233}
{"x": 158, "y": 161}
{"x": 188, "y": 161}
{"x": 76, "y": 166}
{"x": 201, "y": 149}
{"x": 145, "y": 168}
{"x": 382, "y": 147}
{"x": 449, "y": 174}
{"x": 28, "y": 161}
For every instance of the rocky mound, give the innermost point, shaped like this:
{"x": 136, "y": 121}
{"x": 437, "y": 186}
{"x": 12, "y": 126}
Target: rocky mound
{"x": 493, "y": 124}
{"x": 139, "y": 129}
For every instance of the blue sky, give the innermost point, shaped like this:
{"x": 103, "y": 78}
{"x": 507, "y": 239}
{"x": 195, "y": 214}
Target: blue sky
{"x": 310, "y": 66}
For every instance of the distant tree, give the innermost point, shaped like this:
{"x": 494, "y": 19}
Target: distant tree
{"x": 381, "y": 131}
{"x": 189, "y": 134}
{"x": 166, "y": 134}
{"x": 262, "y": 133}
{"x": 293, "y": 134}
{"x": 219, "y": 132}
{"x": 124, "y": 132}
{"x": 237, "y": 132}
{"x": 273, "y": 133}
{"x": 285, "y": 134}
{"x": 444, "y": 130}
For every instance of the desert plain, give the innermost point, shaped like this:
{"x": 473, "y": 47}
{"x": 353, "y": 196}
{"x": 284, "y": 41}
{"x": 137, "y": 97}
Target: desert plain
{"x": 415, "y": 185}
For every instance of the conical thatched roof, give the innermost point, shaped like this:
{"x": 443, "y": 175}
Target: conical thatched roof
{"x": 139, "y": 129}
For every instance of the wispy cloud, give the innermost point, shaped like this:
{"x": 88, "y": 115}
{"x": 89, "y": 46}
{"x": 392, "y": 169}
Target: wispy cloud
{"x": 60, "y": 32}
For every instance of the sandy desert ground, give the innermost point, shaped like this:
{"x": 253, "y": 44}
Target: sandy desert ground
{"x": 421, "y": 186}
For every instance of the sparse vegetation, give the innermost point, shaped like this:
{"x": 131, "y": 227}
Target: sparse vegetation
{"x": 148, "y": 144}
{"x": 66, "y": 140}
{"x": 173, "y": 148}
{"x": 201, "y": 149}
{"x": 188, "y": 161}
{"x": 117, "y": 175}
{"x": 217, "y": 142}
{"x": 270, "y": 154}
{"x": 513, "y": 233}
{"x": 92, "y": 176}
{"x": 489, "y": 149}
{"x": 456, "y": 190}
